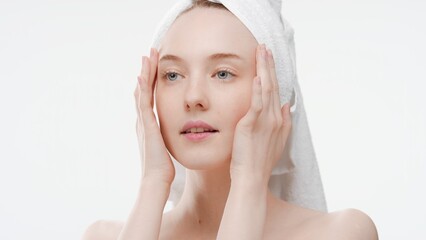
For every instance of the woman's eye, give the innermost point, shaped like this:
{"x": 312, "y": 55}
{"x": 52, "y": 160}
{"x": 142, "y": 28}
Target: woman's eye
{"x": 171, "y": 76}
{"x": 224, "y": 74}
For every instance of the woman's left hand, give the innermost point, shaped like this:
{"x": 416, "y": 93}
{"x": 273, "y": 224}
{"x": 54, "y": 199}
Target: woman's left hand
{"x": 259, "y": 140}
{"x": 261, "y": 135}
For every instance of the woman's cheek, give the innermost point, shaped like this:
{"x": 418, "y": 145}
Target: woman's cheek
{"x": 241, "y": 106}
{"x": 165, "y": 112}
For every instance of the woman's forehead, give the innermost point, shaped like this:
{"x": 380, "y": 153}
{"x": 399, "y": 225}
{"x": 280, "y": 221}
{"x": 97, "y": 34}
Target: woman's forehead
{"x": 210, "y": 31}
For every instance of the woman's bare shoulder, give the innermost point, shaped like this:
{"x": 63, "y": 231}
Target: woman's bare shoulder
{"x": 351, "y": 224}
{"x": 103, "y": 229}
{"x": 296, "y": 222}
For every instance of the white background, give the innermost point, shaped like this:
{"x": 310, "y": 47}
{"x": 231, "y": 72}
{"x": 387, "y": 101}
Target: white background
{"x": 68, "y": 147}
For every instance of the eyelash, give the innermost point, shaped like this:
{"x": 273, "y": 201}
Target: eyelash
{"x": 230, "y": 72}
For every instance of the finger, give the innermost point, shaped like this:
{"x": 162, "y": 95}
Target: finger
{"x": 287, "y": 120}
{"x": 146, "y": 113}
{"x": 152, "y": 71}
{"x": 146, "y": 66}
{"x": 256, "y": 104}
{"x": 263, "y": 72}
{"x": 153, "y": 59}
{"x": 146, "y": 85}
{"x": 276, "y": 94}
{"x": 274, "y": 79}
{"x": 137, "y": 94}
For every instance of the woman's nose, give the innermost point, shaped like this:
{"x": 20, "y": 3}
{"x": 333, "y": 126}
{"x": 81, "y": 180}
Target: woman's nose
{"x": 196, "y": 97}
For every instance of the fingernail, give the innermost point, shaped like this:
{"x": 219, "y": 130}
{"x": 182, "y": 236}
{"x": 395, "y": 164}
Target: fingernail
{"x": 151, "y": 53}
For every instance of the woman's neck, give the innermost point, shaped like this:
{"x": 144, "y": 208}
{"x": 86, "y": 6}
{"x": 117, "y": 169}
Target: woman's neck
{"x": 204, "y": 198}
{"x": 203, "y": 201}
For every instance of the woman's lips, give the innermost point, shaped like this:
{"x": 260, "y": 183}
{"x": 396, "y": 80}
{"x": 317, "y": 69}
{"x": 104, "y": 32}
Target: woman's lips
{"x": 198, "y": 136}
{"x": 197, "y": 130}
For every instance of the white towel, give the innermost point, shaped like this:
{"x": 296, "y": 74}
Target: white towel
{"x": 296, "y": 177}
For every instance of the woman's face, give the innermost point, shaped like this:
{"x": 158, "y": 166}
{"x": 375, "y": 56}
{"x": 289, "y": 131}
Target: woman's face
{"x": 204, "y": 82}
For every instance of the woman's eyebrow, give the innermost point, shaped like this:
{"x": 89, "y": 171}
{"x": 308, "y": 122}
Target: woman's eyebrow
{"x": 224, "y": 55}
{"x": 169, "y": 57}
{"x": 216, "y": 56}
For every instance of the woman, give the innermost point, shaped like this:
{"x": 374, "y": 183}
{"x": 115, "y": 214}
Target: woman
{"x": 218, "y": 105}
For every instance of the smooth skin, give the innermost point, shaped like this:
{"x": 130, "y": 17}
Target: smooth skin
{"x": 226, "y": 194}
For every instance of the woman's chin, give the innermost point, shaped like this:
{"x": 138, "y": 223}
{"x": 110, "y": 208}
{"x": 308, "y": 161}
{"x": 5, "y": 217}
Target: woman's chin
{"x": 202, "y": 160}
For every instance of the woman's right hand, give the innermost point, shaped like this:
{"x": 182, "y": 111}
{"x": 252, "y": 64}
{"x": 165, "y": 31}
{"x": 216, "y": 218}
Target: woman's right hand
{"x": 156, "y": 162}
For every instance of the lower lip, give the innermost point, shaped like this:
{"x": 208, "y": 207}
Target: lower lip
{"x": 198, "y": 136}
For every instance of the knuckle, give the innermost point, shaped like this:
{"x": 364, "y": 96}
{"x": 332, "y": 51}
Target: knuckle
{"x": 138, "y": 105}
{"x": 287, "y": 126}
{"x": 143, "y": 100}
{"x": 246, "y": 126}
{"x": 289, "y": 123}
{"x": 145, "y": 111}
{"x": 268, "y": 89}
{"x": 279, "y": 122}
{"x": 274, "y": 123}
{"x": 257, "y": 107}
{"x": 276, "y": 88}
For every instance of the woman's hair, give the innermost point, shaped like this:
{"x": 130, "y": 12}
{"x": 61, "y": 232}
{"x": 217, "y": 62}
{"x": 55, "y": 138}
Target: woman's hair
{"x": 204, "y": 4}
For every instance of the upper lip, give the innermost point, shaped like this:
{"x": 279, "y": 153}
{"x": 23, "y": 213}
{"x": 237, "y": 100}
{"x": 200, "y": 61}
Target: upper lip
{"x": 196, "y": 124}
